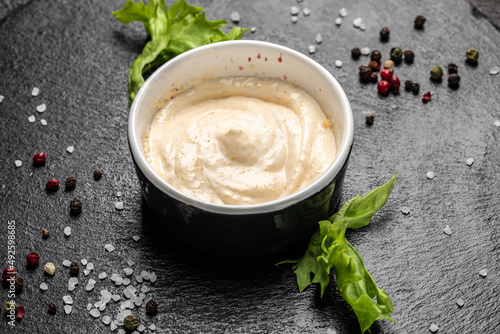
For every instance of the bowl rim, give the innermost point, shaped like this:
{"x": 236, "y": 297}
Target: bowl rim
{"x": 272, "y": 206}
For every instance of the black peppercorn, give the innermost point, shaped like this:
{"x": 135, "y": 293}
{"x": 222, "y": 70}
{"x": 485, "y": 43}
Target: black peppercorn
{"x": 415, "y": 87}
{"x": 45, "y": 233}
{"x": 74, "y": 268}
{"x": 70, "y": 182}
{"x": 452, "y": 68}
{"x": 376, "y": 55}
{"x": 365, "y": 72}
{"x": 408, "y": 84}
{"x": 370, "y": 119}
{"x": 75, "y": 206}
{"x": 453, "y": 80}
{"x": 97, "y": 175}
{"x": 409, "y": 56}
{"x": 355, "y": 53}
{"x": 151, "y": 307}
{"x": 52, "y": 308}
{"x": 384, "y": 34}
{"x": 374, "y": 77}
{"x": 419, "y": 22}
{"x": 19, "y": 283}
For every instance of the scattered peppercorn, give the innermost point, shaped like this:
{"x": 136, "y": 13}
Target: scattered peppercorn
{"x": 376, "y": 55}
{"x": 436, "y": 73}
{"x": 419, "y": 22}
{"x": 32, "y": 259}
{"x": 50, "y": 268}
{"x": 453, "y": 80}
{"x": 389, "y": 64}
{"x": 384, "y": 34}
{"x": 373, "y": 65}
{"x": 409, "y": 56}
{"x": 45, "y": 233}
{"x": 395, "y": 83}
{"x": 408, "y": 84}
{"x": 365, "y": 72}
{"x": 383, "y": 87}
{"x": 396, "y": 53}
{"x": 370, "y": 119}
{"x": 452, "y": 68}
{"x": 52, "y": 308}
{"x": 75, "y": 206}
{"x": 426, "y": 97}
{"x": 70, "y": 182}
{"x": 415, "y": 87}
{"x": 74, "y": 268}
{"x": 8, "y": 274}
{"x": 472, "y": 56}
{"x": 10, "y": 306}
{"x": 97, "y": 175}
{"x": 151, "y": 307}
{"x": 18, "y": 285}
{"x": 52, "y": 184}
{"x": 355, "y": 53}
{"x": 385, "y": 74}
{"x": 131, "y": 322}
{"x": 374, "y": 77}
{"x": 39, "y": 158}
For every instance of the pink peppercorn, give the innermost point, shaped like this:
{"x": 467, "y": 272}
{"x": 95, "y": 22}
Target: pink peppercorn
{"x": 32, "y": 259}
{"x": 9, "y": 274}
{"x": 395, "y": 83}
{"x": 52, "y": 184}
{"x": 427, "y": 97}
{"x": 385, "y": 74}
{"x": 383, "y": 87}
{"x": 39, "y": 158}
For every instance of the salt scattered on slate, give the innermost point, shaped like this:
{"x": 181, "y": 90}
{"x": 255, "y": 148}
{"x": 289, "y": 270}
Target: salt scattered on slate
{"x": 32, "y": 119}
{"x": 405, "y": 210}
{"x": 118, "y": 280}
{"x": 253, "y": 29}
{"x": 338, "y": 63}
{"x": 433, "y": 328}
{"x": 84, "y": 262}
{"x": 294, "y": 19}
{"x": 105, "y": 296}
{"x": 109, "y": 247}
{"x": 136, "y": 237}
{"x": 113, "y": 325}
{"x": 362, "y": 26}
{"x": 235, "y": 17}
{"x": 116, "y": 297}
{"x": 145, "y": 275}
{"x": 483, "y": 272}
{"x": 460, "y": 302}
{"x": 497, "y": 122}
{"x": 494, "y": 70}
{"x": 73, "y": 281}
{"x": 365, "y": 51}
{"x": 318, "y": 38}
{"x": 357, "y": 22}
{"x": 153, "y": 278}
{"x": 90, "y": 266}
{"x": 312, "y": 49}
{"x": 294, "y": 10}
{"x": 128, "y": 271}
{"x": 139, "y": 279}
{"x": 70, "y": 149}
{"x": 152, "y": 327}
{"x": 343, "y": 12}
{"x": 306, "y": 11}
{"x": 1, "y": 98}
{"x": 119, "y": 205}
{"x": 447, "y": 230}
{"x": 66, "y": 263}
{"x": 103, "y": 275}
{"x": 18, "y": 163}
{"x": 95, "y": 313}
{"x": 86, "y": 272}
{"x": 338, "y": 21}
{"x": 35, "y": 91}
{"x": 90, "y": 285}
{"x": 127, "y": 293}
{"x": 68, "y": 300}
{"x": 430, "y": 175}
{"x": 469, "y": 161}
{"x": 106, "y": 319}
{"x": 41, "y": 107}
{"x": 68, "y": 309}
{"x": 126, "y": 281}
{"x": 44, "y": 287}
{"x": 67, "y": 231}
{"x": 145, "y": 289}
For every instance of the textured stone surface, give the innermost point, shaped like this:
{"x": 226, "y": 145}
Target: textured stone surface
{"x": 79, "y": 56}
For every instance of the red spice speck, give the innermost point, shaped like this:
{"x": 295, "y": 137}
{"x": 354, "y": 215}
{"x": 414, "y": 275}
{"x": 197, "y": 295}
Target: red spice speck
{"x": 265, "y": 59}
{"x": 426, "y": 97}
{"x": 9, "y": 274}
{"x": 20, "y": 312}
{"x": 52, "y": 184}
{"x": 231, "y": 59}
{"x": 258, "y": 56}
{"x": 249, "y": 59}
{"x": 39, "y": 158}
{"x": 280, "y": 59}
{"x": 285, "y": 77}
{"x": 32, "y": 259}
{"x": 241, "y": 68}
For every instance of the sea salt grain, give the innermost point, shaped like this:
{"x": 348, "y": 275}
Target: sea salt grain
{"x": 494, "y": 70}
{"x": 119, "y": 205}
{"x": 90, "y": 266}
{"x": 483, "y": 272}
{"x": 338, "y": 63}
{"x": 153, "y": 278}
{"x": 68, "y": 309}
{"x": 109, "y": 247}
{"x": 294, "y": 10}
{"x": 306, "y": 11}
{"x": 41, "y": 108}
{"x": 84, "y": 262}
{"x": 318, "y": 38}
{"x": 103, "y": 275}
{"x": 136, "y": 238}
{"x": 1, "y": 98}
{"x": 67, "y": 231}
{"x": 113, "y": 325}
{"x": 312, "y": 49}
{"x": 460, "y": 302}
{"x": 235, "y": 17}
{"x": 35, "y": 91}
{"x": 497, "y": 122}
{"x": 343, "y": 12}
{"x": 469, "y": 161}
{"x": 365, "y": 51}
{"x": 18, "y": 163}
{"x": 68, "y": 300}
{"x": 95, "y": 313}
{"x": 430, "y": 175}
{"x": 253, "y": 30}
{"x": 70, "y": 149}
{"x": 32, "y": 119}
{"x": 294, "y": 19}
{"x": 43, "y": 122}
{"x": 338, "y": 21}
{"x": 357, "y": 22}
{"x": 44, "y": 287}
{"x": 447, "y": 230}
{"x": 66, "y": 263}
{"x": 106, "y": 319}
{"x": 128, "y": 271}
{"x": 433, "y": 328}
{"x": 362, "y": 26}
{"x": 152, "y": 327}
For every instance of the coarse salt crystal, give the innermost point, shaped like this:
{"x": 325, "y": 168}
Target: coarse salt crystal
{"x": 430, "y": 175}
{"x": 433, "y": 328}
{"x": 89, "y": 306}
{"x": 460, "y": 302}
{"x": 70, "y": 149}
{"x": 67, "y": 231}
{"x": 497, "y": 122}
{"x": 338, "y": 63}
{"x": 130, "y": 263}
{"x": 306, "y": 11}
{"x": 131, "y": 288}
{"x": 18, "y": 163}
{"x": 84, "y": 261}
{"x": 68, "y": 309}
{"x": 66, "y": 263}
{"x": 1, "y": 98}
{"x": 343, "y": 12}
{"x": 294, "y": 19}
{"x": 103, "y": 275}
{"x": 338, "y": 21}
{"x": 253, "y": 30}
{"x": 153, "y": 278}
{"x": 44, "y": 287}
{"x": 35, "y": 91}
{"x": 365, "y": 51}
{"x": 235, "y": 17}
{"x": 318, "y": 38}
{"x": 483, "y": 272}
{"x": 362, "y": 27}
{"x": 113, "y": 326}
{"x": 109, "y": 247}
{"x": 41, "y": 107}
{"x": 405, "y": 211}
{"x": 67, "y": 300}
{"x": 106, "y": 319}
{"x": 128, "y": 271}
{"x": 32, "y": 119}
{"x": 447, "y": 230}
{"x": 136, "y": 237}
{"x": 90, "y": 266}
{"x": 116, "y": 297}
{"x": 331, "y": 331}
{"x": 95, "y": 313}
{"x": 141, "y": 328}
{"x": 119, "y": 205}
{"x": 312, "y": 49}
{"x": 152, "y": 327}
{"x": 494, "y": 70}
{"x": 86, "y": 272}
{"x": 126, "y": 281}
{"x": 469, "y": 161}
{"x": 73, "y": 281}
{"x": 145, "y": 289}
{"x": 357, "y": 22}
{"x": 139, "y": 279}
{"x": 294, "y": 10}
{"x": 145, "y": 275}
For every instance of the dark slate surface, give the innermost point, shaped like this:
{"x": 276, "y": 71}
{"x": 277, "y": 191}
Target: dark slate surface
{"x": 79, "y": 56}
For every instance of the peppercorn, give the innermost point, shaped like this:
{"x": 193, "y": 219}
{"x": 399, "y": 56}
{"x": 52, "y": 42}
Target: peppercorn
{"x": 374, "y": 77}
{"x": 373, "y": 65}
{"x": 472, "y": 56}
{"x": 415, "y": 87}
{"x": 385, "y": 74}
{"x": 409, "y": 56}
{"x": 452, "y": 68}
{"x": 383, "y": 87}
{"x": 384, "y": 34}
{"x": 74, "y": 268}
{"x": 45, "y": 233}
{"x": 70, "y": 182}
{"x": 419, "y": 22}
{"x": 389, "y": 64}
{"x": 52, "y": 185}
{"x": 376, "y": 55}
{"x": 396, "y": 53}
{"x": 436, "y": 73}
{"x": 50, "y": 268}
{"x": 426, "y": 97}
{"x": 8, "y": 274}
{"x": 395, "y": 83}
{"x": 355, "y": 53}
{"x": 75, "y": 206}
{"x": 52, "y": 308}
{"x": 151, "y": 307}
{"x": 365, "y": 72}
{"x": 39, "y": 158}
{"x": 97, "y": 175}
{"x": 32, "y": 259}
{"x": 369, "y": 119}
{"x": 131, "y": 322}
{"x": 18, "y": 285}
{"x": 10, "y": 306}
{"x": 408, "y": 84}
{"x": 453, "y": 80}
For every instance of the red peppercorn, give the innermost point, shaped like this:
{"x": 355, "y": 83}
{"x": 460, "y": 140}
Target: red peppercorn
{"x": 383, "y": 87}
{"x": 427, "y": 97}
{"x": 385, "y": 74}
{"x": 52, "y": 185}
{"x": 32, "y": 259}
{"x": 9, "y": 274}
{"x": 39, "y": 158}
{"x": 395, "y": 83}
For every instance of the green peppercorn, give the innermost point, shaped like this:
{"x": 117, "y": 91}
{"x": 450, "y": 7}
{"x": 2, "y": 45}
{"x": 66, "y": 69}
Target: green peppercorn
{"x": 131, "y": 322}
{"x": 453, "y": 80}
{"x": 436, "y": 73}
{"x": 472, "y": 56}
{"x": 10, "y": 306}
{"x": 396, "y": 53}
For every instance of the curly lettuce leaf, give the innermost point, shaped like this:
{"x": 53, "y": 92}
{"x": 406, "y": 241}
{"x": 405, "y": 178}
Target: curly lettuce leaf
{"x": 173, "y": 31}
{"x": 329, "y": 249}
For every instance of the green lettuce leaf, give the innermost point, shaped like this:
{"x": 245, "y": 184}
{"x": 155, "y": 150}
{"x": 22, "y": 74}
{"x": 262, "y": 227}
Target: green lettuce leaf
{"x": 329, "y": 249}
{"x": 173, "y": 31}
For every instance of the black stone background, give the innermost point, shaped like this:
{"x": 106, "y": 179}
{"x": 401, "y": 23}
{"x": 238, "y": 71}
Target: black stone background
{"x": 78, "y": 55}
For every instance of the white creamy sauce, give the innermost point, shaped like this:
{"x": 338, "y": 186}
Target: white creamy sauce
{"x": 240, "y": 140}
